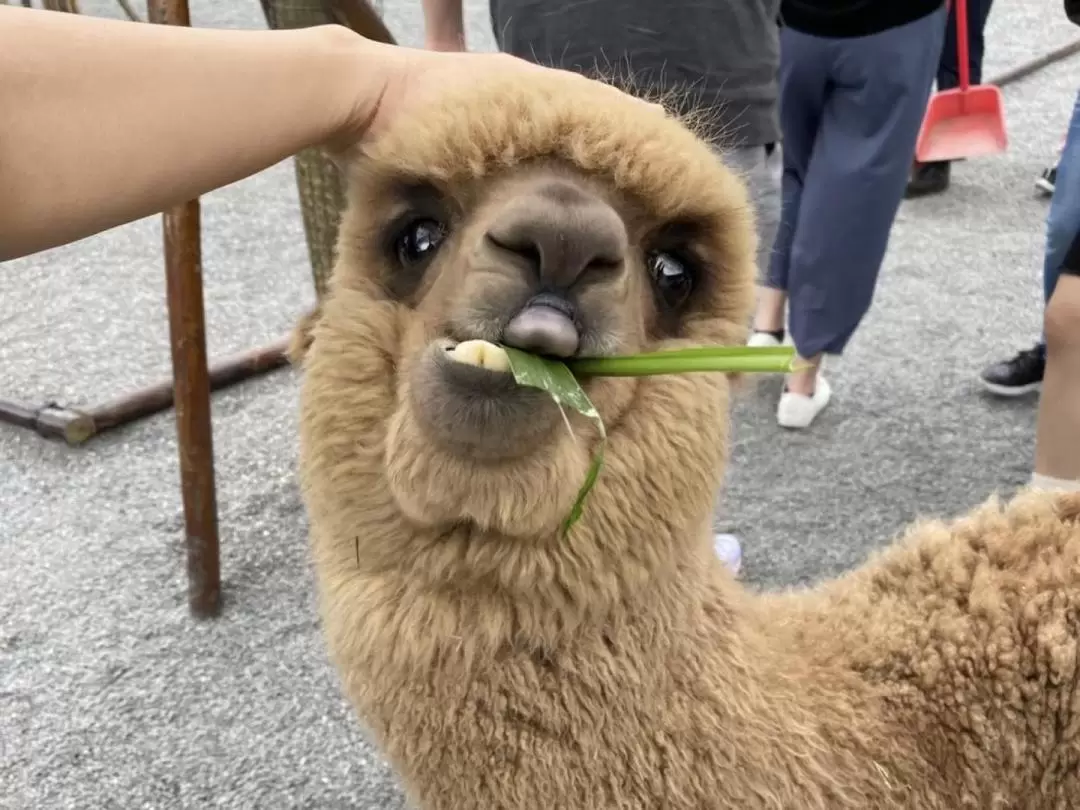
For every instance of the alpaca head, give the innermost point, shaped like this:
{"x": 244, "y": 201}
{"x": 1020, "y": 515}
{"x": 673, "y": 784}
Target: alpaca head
{"x": 553, "y": 215}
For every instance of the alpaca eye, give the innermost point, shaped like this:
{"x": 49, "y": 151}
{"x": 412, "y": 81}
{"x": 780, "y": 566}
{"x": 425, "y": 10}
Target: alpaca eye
{"x": 671, "y": 277}
{"x": 419, "y": 241}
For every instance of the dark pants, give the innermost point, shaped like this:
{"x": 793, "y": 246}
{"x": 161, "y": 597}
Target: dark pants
{"x": 948, "y": 72}
{"x": 850, "y": 111}
{"x": 1062, "y": 253}
{"x": 1063, "y": 217}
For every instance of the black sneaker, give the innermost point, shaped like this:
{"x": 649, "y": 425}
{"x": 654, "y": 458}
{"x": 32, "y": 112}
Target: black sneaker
{"x": 928, "y": 178}
{"x": 1018, "y": 375}
{"x": 1046, "y": 181}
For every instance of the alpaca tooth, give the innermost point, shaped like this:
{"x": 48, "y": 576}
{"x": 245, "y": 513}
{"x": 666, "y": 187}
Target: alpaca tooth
{"x": 495, "y": 358}
{"x": 481, "y": 353}
{"x": 468, "y": 352}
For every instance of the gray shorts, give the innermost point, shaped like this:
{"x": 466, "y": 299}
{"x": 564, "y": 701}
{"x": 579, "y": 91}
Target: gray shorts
{"x": 761, "y": 168}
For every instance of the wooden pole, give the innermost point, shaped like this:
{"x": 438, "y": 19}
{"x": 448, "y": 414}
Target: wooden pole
{"x": 191, "y": 379}
{"x": 156, "y": 398}
{"x": 78, "y": 425}
{"x": 52, "y": 421}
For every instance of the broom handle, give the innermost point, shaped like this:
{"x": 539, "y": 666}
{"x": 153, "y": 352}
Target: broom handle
{"x": 962, "y": 44}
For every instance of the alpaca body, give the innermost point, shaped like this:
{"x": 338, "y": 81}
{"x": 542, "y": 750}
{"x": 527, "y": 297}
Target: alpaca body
{"x": 971, "y": 629}
{"x": 501, "y": 665}
{"x": 643, "y": 717}
{"x": 941, "y": 675}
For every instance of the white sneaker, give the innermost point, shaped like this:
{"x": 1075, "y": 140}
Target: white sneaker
{"x": 798, "y": 410}
{"x": 729, "y": 550}
{"x": 763, "y": 339}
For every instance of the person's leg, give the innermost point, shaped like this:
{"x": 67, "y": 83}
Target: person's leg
{"x": 1063, "y": 215}
{"x": 802, "y": 81}
{"x": 760, "y": 169}
{"x": 768, "y": 326}
{"x": 948, "y": 73}
{"x": 851, "y": 193}
{"x": 1023, "y": 372}
{"x": 931, "y": 178}
{"x": 1057, "y": 431}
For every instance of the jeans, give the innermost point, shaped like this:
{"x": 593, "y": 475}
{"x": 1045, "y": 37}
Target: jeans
{"x": 1063, "y": 218}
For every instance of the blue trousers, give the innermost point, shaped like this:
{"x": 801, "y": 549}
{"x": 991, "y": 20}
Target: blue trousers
{"x": 948, "y": 72}
{"x": 850, "y": 112}
{"x": 1063, "y": 218}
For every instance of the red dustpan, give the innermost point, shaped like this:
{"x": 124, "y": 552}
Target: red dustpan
{"x": 964, "y": 122}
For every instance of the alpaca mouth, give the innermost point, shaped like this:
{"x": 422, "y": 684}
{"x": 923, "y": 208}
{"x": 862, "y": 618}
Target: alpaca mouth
{"x": 471, "y": 368}
{"x": 468, "y": 403}
{"x": 546, "y": 325}
{"x": 464, "y": 393}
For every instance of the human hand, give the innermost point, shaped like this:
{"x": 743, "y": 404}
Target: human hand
{"x": 411, "y": 77}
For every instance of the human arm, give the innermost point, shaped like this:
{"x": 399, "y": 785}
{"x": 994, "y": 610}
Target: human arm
{"x": 103, "y": 121}
{"x": 444, "y": 25}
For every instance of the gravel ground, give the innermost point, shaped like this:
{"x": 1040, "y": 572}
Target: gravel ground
{"x": 111, "y": 696}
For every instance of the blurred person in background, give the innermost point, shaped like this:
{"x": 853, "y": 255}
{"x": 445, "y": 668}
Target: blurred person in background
{"x": 1024, "y": 372}
{"x": 1057, "y": 429}
{"x": 855, "y": 78}
{"x": 933, "y": 178}
{"x": 715, "y": 59}
{"x": 1054, "y": 364}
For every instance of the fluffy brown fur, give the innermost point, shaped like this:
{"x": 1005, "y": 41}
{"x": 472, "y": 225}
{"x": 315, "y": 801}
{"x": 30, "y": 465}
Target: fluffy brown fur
{"x": 500, "y": 665}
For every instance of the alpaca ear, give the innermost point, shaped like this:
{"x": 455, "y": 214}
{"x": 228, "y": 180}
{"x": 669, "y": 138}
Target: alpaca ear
{"x": 301, "y": 338}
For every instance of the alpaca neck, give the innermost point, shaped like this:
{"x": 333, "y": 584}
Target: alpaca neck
{"x": 497, "y": 590}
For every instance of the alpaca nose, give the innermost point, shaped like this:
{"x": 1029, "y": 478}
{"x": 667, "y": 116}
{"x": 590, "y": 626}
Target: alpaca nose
{"x": 562, "y": 231}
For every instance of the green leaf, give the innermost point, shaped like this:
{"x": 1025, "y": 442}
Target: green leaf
{"x": 558, "y": 381}
{"x": 551, "y": 376}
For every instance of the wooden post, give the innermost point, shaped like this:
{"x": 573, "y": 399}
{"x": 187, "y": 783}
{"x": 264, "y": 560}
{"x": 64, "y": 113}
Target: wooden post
{"x": 191, "y": 379}
{"x": 78, "y": 425}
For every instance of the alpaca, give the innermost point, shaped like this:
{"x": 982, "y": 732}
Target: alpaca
{"x": 503, "y": 665}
